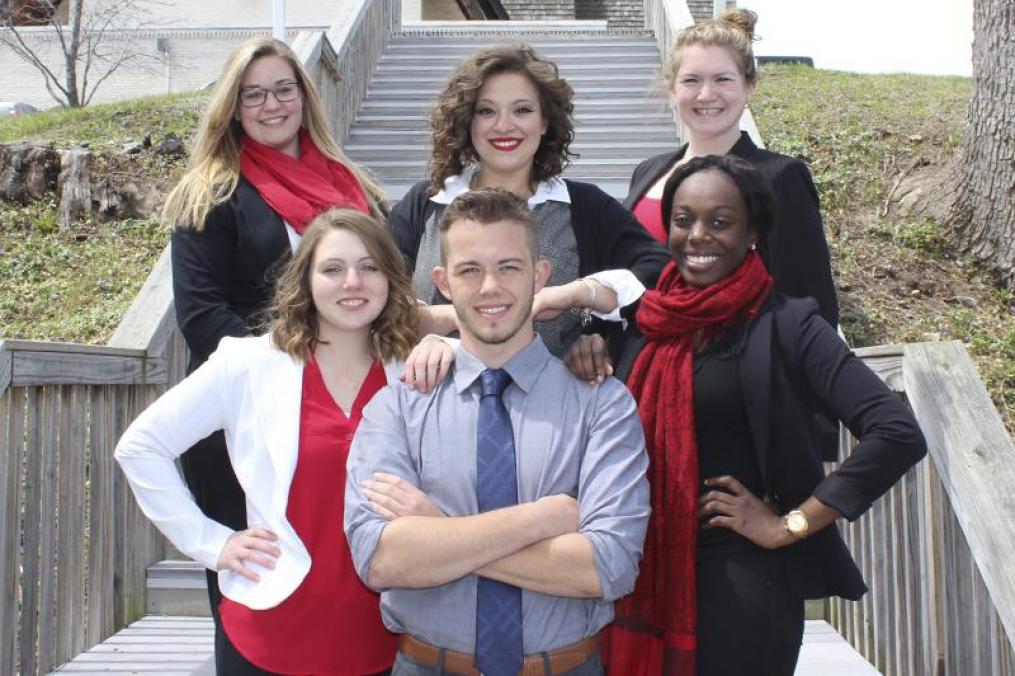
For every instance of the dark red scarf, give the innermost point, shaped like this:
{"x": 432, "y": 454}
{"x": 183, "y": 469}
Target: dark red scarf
{"x": 655, "y": 628}
{"x": 299, "y": 189}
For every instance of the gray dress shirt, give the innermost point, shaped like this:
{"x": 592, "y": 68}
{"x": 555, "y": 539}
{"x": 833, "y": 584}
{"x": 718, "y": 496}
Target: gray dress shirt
{"x": 570, "y": 437}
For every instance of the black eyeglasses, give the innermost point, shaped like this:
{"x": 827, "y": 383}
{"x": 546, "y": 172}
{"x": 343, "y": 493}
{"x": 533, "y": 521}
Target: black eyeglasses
{"x": 251, "y": 97}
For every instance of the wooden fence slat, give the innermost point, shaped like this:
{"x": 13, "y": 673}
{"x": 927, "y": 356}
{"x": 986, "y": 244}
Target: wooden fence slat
{"x": 12, "y": 449}
{"x": 121, "y": 503}
{"x": 59, "y": 368}
{"x": 71, "y": 560}
{"x": 101, "y": 518}
{"x": 48, "y": 541}
{"x": 30, "y": 552}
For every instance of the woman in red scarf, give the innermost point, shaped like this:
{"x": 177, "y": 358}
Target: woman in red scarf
{"x": 263, "y": 165}
{"x": 727, "y": 379}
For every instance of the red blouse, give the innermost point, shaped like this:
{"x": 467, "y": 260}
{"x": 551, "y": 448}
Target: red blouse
{"x": 332, "y": 623}
{"x": 648, "y": 211}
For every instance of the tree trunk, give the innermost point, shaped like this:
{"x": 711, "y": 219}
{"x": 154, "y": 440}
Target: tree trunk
{"x": 980, "y": 209}
{"x": 71, "y": 55}
{"x": 75, "y": 186}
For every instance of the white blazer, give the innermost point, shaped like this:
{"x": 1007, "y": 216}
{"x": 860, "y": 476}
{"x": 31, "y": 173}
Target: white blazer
{"x": 252, "y": 391}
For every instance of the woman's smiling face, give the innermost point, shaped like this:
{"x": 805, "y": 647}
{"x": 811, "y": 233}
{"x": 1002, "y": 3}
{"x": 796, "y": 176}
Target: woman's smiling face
{"x": 709, "y": 228}
{"x": 273, "y": 123}
{"x": 507, "y": 125}
{"x": 709, "y": 91}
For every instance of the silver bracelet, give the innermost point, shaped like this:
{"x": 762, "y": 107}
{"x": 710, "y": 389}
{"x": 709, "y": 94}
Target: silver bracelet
{"x": 585, "y": 313}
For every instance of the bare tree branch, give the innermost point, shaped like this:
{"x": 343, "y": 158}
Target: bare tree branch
{"x": 96, "y": 42}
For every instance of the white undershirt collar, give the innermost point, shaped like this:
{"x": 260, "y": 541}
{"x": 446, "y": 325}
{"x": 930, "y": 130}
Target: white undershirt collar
{"x": 553, "y": 189}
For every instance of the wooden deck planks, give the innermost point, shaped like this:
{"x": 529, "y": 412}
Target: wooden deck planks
{"x": 152, "y": 645}
{"x": 185, "y": 645}
{"x": 825, "y": 653}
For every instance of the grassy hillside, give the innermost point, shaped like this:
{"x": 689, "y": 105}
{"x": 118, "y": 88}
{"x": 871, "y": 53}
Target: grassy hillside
{"x": 899, "y": 279}
{"x": 75, "y": 286}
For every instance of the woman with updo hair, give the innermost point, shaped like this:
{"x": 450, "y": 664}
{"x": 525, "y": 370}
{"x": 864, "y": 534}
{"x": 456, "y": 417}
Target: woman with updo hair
{"x": 711, "y": 76}
{"x": 505, "y": 120}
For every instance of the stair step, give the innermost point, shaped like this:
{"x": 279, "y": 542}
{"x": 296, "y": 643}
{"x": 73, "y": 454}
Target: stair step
{"x": 438, "y": 80}
{"x": 584, "y": 93}
{"x": 177, "y": 588}
{"x": 561, "y": 55}
{"x": 660, "y": 132}
{"x": 583, "y": 109}
{"x": 638, "y": 68}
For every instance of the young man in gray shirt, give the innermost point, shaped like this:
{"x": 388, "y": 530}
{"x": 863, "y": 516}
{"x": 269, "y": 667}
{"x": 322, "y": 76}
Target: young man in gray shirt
{"x": 501, "y": 514}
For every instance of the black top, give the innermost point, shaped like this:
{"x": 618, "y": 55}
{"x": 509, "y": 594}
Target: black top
{"x": 224, "y": 274}
{"x": 723, "y": 430}
{"x": 795, "y": 250}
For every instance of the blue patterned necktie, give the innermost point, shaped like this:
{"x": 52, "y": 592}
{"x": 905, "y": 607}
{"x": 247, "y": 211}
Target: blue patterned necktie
{"x": 498, "y": 605}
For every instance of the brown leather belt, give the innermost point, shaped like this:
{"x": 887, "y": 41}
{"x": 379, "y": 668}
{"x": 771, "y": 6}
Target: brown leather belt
{"x": 541, "y": 664}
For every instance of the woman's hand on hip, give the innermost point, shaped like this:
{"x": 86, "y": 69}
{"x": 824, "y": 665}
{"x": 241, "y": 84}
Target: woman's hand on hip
{"x": 736, "y": 508}
{"x": 255, "y": 545}
{"x": 393, "y": 497}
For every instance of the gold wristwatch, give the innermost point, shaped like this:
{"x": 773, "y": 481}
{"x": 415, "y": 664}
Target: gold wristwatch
{"x": 796, "y": 523}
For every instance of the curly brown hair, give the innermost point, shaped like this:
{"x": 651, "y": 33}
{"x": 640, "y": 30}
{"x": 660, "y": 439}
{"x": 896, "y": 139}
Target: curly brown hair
{"x": 294, "y": 325}
{"x": 451, "y": 119}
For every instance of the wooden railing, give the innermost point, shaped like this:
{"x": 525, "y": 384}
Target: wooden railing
{"x": 73, "y": 546}
{"x": 358, "y": 41}
{"x": 938, "y": 552}
{"x": 665, "y": 18}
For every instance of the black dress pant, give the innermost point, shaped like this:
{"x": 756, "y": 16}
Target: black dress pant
{"x": 749, "y": 620}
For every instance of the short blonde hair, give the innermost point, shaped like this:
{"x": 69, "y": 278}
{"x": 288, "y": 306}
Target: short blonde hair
{"x": 294, "y": 328}
{"x": 733, "y": 29}
{"x": 214, "y": 168}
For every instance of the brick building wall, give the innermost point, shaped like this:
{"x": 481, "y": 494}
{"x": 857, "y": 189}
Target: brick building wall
{"x": 199, "y": 35}
{"x": 702, "y": 9}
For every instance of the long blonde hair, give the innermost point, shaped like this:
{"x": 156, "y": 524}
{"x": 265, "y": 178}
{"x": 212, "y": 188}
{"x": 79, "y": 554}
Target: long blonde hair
{"x": 214, "y": 168}
{"x": 294, "y": 326}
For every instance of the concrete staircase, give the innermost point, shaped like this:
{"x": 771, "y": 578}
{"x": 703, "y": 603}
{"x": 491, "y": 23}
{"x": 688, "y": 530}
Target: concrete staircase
{"x": 621, "y": 115}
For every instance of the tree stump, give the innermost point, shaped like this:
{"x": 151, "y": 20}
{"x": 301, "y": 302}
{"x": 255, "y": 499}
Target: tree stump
{"x": 75, "y": 186}
{"x": 29, "y": 171}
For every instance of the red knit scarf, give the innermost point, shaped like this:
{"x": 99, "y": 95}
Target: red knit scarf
{"x": 655, "y": 628}
{"x": 299, "y": 189}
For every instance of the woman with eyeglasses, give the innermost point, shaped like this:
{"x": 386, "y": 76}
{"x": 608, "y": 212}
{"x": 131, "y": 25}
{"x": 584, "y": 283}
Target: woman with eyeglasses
{"x": 263, "y": 165}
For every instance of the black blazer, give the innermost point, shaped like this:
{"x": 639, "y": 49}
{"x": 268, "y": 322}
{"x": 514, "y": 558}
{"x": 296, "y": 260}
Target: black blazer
{"x": 795, "y": 251}
{"x": 793, "y": 359}
{"x": 224, "y": 274}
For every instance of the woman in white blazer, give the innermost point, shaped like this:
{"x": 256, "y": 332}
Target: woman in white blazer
{"x": 288, "y": 402}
